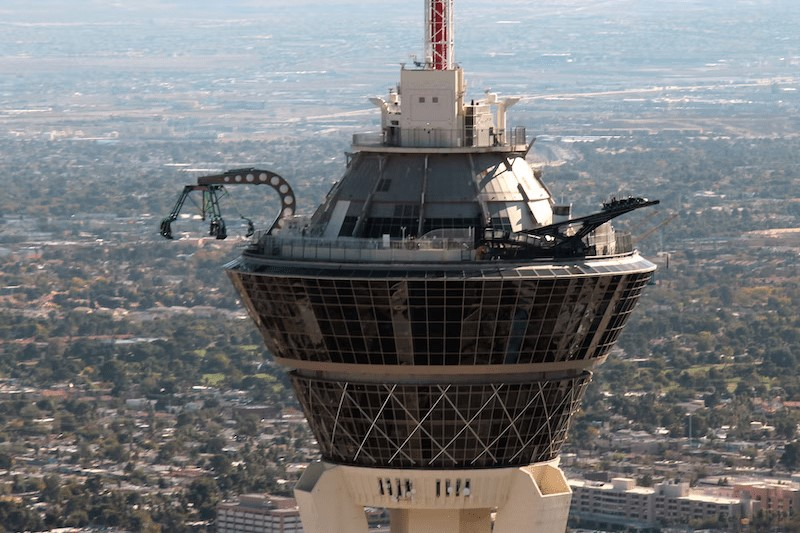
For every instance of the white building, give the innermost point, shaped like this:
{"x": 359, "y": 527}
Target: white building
{"x": 259, "y": 513}
{"x": 621, "y": 502}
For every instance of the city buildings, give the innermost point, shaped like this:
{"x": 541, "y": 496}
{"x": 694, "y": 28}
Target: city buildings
{"x": 621, "y": 503}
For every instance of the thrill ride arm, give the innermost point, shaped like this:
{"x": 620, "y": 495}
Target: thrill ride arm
{"x": 211, "y": 187}
{"x": 572, "y": 244}
{"x": 554, "y": 240}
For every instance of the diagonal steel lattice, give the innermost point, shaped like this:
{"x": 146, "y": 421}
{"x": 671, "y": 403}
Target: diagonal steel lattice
{"x": 440, "y": 425}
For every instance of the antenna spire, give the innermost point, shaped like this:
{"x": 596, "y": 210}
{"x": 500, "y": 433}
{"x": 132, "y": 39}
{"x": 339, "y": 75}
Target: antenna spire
{"x": 439, "y": 49}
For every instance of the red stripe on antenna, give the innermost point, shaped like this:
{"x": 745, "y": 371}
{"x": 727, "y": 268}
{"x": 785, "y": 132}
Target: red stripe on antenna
{"x": 438, "y": 34}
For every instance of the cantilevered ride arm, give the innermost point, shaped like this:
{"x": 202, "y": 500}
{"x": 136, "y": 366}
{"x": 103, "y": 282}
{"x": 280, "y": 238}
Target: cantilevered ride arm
{"x": 553, "y": 240}
{"x": 209, "y": 207}
{"x": 211, "y": 185}
{"x": 573, "y": 243}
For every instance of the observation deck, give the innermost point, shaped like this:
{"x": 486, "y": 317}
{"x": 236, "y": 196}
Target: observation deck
{"x": 409, "y": 251}
{"x": 401, "y": 359}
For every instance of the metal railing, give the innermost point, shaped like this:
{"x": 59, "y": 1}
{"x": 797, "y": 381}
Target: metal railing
{"x": 617, "y": 243}
{"x": 410, "y": 250}
{"x": 515, "y": 138}
{"x": 363, "y": 250}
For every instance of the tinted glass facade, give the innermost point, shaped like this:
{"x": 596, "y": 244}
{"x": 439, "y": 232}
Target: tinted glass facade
{"x": 467, "y": 321}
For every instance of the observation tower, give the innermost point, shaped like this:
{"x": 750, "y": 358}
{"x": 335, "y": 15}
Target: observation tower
{"x": 439, "y": 315}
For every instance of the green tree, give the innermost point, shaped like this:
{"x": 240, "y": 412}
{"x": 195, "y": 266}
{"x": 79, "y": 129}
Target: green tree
{"x": 6, "y": 461}
{"x": 205, "y": 496}
{"x": 17, "y": 516}
{"x": 786, "y": 425}
{"x": 791, "y": 456}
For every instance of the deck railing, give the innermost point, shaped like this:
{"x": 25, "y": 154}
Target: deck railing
{"x": 349, "y": 250}
{"x": 514, "y": 138}
{"x": 364, "y": 250}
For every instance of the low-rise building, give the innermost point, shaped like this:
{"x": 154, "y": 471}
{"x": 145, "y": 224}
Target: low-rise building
{"x": 676, "y": 503}
{"x": 781, "y": 499}
{"x": 259, "y": 513}
{"x": 619, "y": 502}
{"x": 622, "y": 503}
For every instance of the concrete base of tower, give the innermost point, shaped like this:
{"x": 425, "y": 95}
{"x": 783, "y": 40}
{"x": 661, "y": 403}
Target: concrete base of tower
{"x": 531, "y": 499}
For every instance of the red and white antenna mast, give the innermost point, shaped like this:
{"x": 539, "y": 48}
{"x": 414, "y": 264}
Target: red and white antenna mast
{"x": 439, "y": 50}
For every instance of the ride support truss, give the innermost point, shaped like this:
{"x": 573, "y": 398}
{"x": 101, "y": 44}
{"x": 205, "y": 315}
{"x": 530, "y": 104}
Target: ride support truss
{"x": 213, "y": 188}
{"x": 560, "y": 239}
